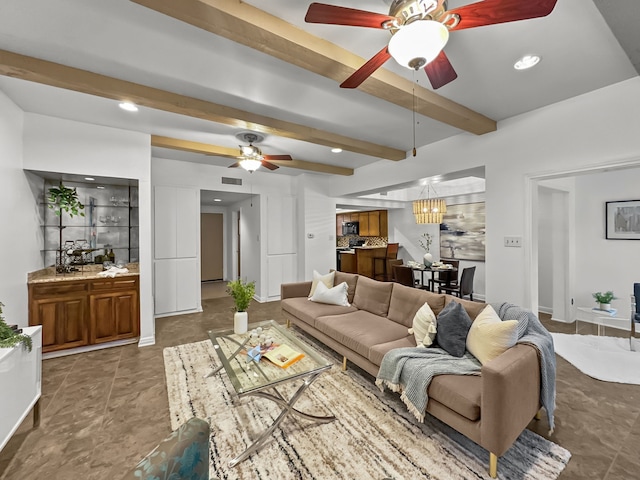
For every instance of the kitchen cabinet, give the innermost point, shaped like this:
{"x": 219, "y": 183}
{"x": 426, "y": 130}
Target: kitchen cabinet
{"x": 339, "y": 220}
{"x": 372, "y": 223}
{"x": 364, "y": 225}
{"x": 76, "y": 313}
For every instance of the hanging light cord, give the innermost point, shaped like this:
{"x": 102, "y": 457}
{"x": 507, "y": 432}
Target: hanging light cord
{"x": 414, "y": 113}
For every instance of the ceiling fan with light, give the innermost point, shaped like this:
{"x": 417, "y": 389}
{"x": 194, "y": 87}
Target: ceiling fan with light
{"x": 251, "y": 157}
{"x": 420, "y": 30}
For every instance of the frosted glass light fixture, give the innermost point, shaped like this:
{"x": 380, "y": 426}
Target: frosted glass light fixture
{"x": 250, "y": 164}
{"x": 418, "y": 43}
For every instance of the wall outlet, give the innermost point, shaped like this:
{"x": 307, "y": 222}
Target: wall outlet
{"x": 512, "y": 241}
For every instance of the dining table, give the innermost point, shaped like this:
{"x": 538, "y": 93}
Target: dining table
{"x": 430, "y": 285}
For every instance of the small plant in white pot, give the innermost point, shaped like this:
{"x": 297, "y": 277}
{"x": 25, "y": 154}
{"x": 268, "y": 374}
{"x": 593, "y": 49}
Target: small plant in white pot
{"x": 604, "y": 299}
{"x": 425, "y": 242}
{"x": 242, "y": 293}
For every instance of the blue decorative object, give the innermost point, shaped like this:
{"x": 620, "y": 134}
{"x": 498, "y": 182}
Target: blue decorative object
{"x": 254, "y": 354}
{"x": 183, "y": 455}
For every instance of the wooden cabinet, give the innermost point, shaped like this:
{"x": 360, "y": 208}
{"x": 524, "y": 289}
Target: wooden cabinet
{"x": 113, "y": 307}
{"x": 84, "y": 312}
{"x": 364, "y": 225}
{"x": 372, "y": 224}
{"x": 61, "y": 309}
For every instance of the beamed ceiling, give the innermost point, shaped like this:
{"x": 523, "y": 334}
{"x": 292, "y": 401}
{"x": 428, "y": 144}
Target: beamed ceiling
{"x": 203, "y": 71}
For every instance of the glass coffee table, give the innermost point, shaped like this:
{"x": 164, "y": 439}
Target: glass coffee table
{"x": 261, "y": 378}
{"x": 586, "y": 316}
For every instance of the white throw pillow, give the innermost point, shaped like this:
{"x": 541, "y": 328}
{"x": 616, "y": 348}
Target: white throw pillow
{"x": 327, "y": 279}
{"x": 489, "y": 337}
{"x": 333, "y": 296}
{"x": 424, "y": 326}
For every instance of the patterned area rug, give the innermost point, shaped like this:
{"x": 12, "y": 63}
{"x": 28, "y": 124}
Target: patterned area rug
{"x": 373, "y": 437}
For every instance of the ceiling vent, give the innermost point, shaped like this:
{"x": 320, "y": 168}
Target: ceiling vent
{"x": 231, "y": 181}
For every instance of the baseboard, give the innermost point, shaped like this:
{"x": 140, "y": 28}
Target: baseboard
{"x": 560, "y": 320}
{"x": 181, "y": 312}
{"x": 147, "y": 341}
{"x": 547, "y": 310}
{"x": 88, "y": 348}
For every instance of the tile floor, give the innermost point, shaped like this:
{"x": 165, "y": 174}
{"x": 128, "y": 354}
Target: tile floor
{"x": 103, "y": 411}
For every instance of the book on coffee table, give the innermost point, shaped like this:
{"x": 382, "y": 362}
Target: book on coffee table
{"x": 283, "y": 356}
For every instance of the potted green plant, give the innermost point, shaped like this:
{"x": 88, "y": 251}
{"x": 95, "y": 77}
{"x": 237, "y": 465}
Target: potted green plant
{"x": 65, "y": 198}
{"x": 242, "y": 293}
{"x": 604, "y": 299}
{"x": 10, "y": 337}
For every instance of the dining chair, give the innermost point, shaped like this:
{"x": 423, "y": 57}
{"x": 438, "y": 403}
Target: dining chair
{"x": 381, "y": 268}
{"x": 446, "y": 278}
{"x": 391, "y": 263}
{"x": 403, "y": 275}
{"x": 464, "y": 288}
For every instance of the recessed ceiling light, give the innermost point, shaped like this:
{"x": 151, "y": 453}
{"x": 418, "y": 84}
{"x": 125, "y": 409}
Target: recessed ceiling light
{"x": 128, "y": 106}
{"x": 527, "y": 61}
{"x": 101, "y": 187}
{"x": 91, "y": 179}
{"x": 217, "y": 199}
{"x": 336, "y": 150}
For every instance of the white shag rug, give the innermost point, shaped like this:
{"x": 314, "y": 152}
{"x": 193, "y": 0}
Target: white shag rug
{"x": 372, "y": 438}
{"x": 604, "y": 358}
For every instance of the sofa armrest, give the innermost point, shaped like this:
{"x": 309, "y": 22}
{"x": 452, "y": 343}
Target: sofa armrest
{"x": 510, "y": 396}
{"x": 291, "y": 290}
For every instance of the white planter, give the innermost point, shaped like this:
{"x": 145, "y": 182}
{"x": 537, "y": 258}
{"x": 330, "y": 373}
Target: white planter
{"x": 605, "y": 306}
{"x": 427, "y": 259}
{"x": 240, "y": 322}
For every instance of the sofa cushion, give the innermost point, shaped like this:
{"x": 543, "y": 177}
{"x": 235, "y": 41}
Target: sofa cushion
{"x": 424, "y": 326}
{"x": 333, "y": 296}
{"x": 373, "y": 296}
{"x": 327, "y": 279}
{"x": 472, "y": 308}
{"x": 378, "y": 351}
{"x": 351, "y": 280}
{"x": 360, "y": 330}
{"x": 461, "y": 393}
{"x": 406, "y": 301}
{"x": 489, "y": 337}
{"x": 307, "y": 311}
{"x": 453, "y": 326}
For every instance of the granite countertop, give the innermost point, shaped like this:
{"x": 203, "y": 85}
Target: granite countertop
{"x": 87, "y": 272}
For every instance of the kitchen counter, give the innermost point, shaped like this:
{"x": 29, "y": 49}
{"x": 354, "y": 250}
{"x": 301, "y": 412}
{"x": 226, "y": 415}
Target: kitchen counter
{"x": 88, "y": 272}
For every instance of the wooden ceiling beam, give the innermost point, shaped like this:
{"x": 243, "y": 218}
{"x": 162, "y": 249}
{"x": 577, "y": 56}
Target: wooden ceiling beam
{"x": 218, "y": 151}
{"x": 62, "y": 76}
{"x": 247, "y": 25}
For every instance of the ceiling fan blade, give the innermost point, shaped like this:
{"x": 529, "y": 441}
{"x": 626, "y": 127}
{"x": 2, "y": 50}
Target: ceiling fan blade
{"x": 440, "y": 71}
{"x": 277, "y": 157}
{"x": 235, "y": 165}
{"x": 491, "y": 12}
{"x": 334, "y": 15}
{"x": 268, "y": 165}
{"x": 367, "y": 69}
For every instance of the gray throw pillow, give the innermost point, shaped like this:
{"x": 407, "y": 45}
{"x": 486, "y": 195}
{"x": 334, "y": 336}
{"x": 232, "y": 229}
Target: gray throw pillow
{"x": 453, "y": 326}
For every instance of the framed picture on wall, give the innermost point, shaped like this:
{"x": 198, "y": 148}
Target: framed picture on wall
{"x": 623, "y": 220}
{"x": 462, "y": 232}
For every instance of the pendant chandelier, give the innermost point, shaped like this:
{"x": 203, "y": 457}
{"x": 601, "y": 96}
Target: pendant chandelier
{"x": 429, "y": 210}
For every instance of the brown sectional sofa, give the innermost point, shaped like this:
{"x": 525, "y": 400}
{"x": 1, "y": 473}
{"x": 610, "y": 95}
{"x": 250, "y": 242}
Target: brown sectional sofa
{"x": 491, "y": 409}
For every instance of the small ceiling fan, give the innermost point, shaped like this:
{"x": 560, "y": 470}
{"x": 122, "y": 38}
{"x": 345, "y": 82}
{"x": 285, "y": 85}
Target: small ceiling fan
{"x": 420, "y": 30}
{"x": 251, "y": 157}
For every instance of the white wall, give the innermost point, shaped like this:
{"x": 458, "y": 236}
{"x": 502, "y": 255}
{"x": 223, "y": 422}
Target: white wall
{"x": 545, "y": 250}
{"x": 255, "y": 215}
{"x": 64, "y": 146}
{"x": 21, "y": 239}
{"x": 605, "y": 264}
{"x": 595, "y": 129}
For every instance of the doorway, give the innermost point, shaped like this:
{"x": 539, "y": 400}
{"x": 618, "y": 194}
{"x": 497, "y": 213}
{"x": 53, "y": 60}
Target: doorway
{"x": 211, "y": 247}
